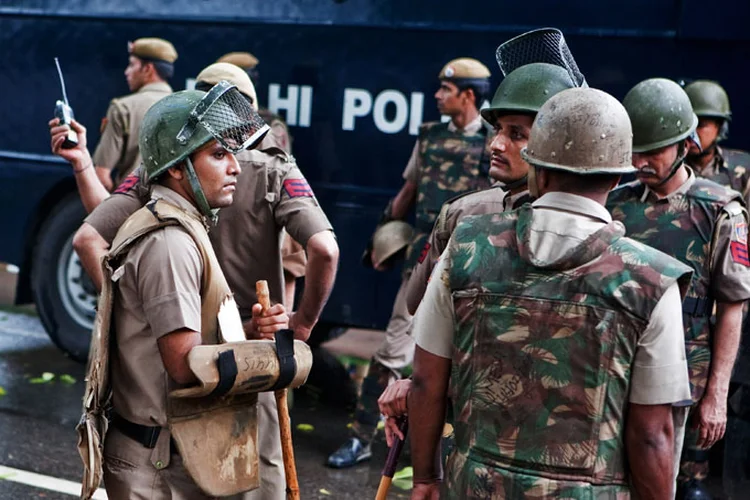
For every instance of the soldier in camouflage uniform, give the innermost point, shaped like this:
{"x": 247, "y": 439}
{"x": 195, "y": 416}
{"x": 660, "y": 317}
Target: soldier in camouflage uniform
{"x": 561, "y": 337}
{"x": 448, "y": 159}
{"x": 513, "y": 108}
{"x": 703, "y": 225}
{"x": 728, "y": 167}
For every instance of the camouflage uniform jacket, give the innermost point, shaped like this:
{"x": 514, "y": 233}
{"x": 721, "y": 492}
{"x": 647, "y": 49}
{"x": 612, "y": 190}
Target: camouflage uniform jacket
{"x": 683, "y": 227}
{"x": 452, "y": 163}
{"x": 542, "y": 357}
{"x": 731, "y": 169}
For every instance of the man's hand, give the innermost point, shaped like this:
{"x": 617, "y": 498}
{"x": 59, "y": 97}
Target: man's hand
{"x": 302, "y": 327}
{"x": 426, "y": 491}
{"x": 78, "y": 156}
{"x": 264, "y": 325}
{"x": 392, "y": 402}
{"x": 710, "y": 419}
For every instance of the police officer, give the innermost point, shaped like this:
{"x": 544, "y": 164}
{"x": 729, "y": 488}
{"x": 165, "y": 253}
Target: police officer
{"x": 168, "y": 291}
{"x": 271, "y": 194}
{"x": 559, "y": 337}
{"x": 448, "y": 159}
{"x": 728, "y": 167}
{"x": 279, "y": 134}
{"x": 513, "y": 108}
{"x": 703, "y": 225}
{"x": 150, "y": 66}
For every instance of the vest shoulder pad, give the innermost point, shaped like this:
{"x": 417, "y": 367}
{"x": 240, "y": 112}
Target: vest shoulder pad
{"x": 710, "y": 191}
{"x": 736, "y": 158}
{"x": 152, "y": 216}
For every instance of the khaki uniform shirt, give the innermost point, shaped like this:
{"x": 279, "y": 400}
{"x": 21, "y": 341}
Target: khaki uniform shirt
{"x": 271, "y": 194}
{"x": 730, "y": 280}
{"x": 659, "y": 373}
{"x": 414, "y": 167}
{"x": 158, "y": 293}
{"x": 118, "y": 145}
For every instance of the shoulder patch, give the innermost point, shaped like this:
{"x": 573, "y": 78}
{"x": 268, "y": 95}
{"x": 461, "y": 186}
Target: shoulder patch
{"x": 424, "y": 253}
{"x": 739, "y": 231}
{"x": 296, "y": 188}
{"x": 739, "y": 253}
{"x": 103, "y": 125}
{"x": 127, "y": 184}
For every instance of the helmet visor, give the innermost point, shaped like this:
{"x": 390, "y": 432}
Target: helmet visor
{"x": 228, "y": 116}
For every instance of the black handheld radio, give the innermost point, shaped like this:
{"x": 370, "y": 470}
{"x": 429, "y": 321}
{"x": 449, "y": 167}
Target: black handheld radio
{"x": 64, "y": 112}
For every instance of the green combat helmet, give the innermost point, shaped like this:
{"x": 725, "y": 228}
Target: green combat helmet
{"x": 709, "y": 99}
{"x": 584, "y": 131}
{"x": 661, "y": 114}
{"x": 526, "y": 89}
{"x": 181, "y": 123}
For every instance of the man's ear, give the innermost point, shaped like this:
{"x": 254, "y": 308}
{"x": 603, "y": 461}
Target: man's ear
{"x": 177, "y": 172}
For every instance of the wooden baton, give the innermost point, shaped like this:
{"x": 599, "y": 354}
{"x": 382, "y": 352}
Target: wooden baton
{"x": 390, "y": 463}
{"x": 285, "y": 426}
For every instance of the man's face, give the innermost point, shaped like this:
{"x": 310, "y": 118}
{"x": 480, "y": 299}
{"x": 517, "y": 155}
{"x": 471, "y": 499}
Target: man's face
{"x": 655, "y": 166}
{"x": 511, "y": 136}
{"x": 135, "y": 73}
{"x": 708, "y": 132}
{"x": 450, "y": 101}
{"x": 217, "y": 169}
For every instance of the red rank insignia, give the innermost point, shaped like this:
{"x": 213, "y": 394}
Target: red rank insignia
{"x": 425, "y": 250}
{"x": 298, "y": 187}
{"x": 739, "y": 253}
{"x": 127, "y": 184}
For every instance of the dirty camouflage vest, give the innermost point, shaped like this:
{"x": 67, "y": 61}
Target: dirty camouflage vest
{"x": 542, "y": 358}
{"x": 452, "y": 164}
{"x": 683, "y": 228}
{"x": 731, "y": 169}
{"x": 187, "y": 417}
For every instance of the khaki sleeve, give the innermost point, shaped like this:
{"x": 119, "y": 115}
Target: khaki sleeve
{"x": 297, "y": 209}
{"x": 277, "y": 137}
{"x": 169, "y": 270}
{"x": 293, "y": 257}
{"x": 411, "y": 172}
{"x": 114, "y": 128}
{"x": 659, "y": 374}
{"x": 113, "y": 211}
{"x": 730, "y": 275}
{"x": 433, "y": 323}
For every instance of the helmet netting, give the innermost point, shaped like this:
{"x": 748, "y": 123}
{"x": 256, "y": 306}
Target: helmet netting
{"x": 545, "y": 45}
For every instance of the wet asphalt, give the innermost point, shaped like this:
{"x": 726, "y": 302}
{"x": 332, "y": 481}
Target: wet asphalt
{"x": 38, "y": 417}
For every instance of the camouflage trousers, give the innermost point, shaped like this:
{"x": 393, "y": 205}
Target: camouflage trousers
{"x": 395, "y": 353}
{"x": 694, "y": 460}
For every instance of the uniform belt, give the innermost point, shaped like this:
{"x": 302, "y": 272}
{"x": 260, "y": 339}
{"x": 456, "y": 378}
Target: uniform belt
{"x": 698, "y": 306}
{"x": 143, "y": 434}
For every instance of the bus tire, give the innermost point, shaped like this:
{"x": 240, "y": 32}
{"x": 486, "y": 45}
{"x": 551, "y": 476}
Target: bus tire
{"x": 64, "y": 295}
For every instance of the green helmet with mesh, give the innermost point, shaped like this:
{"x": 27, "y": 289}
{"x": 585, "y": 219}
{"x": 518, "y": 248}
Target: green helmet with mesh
{"x": 526, "y": 89}
{"x": 661, "y": 114}
{"x": 709, "y": 99}
{"x": 157, "y": 139}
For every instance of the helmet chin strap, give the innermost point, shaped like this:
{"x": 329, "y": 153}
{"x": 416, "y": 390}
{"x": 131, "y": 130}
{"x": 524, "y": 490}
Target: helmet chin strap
{"x": 517, "y": 183}
{"x": 200, "y": 197}
{"x": 681, "y": 154}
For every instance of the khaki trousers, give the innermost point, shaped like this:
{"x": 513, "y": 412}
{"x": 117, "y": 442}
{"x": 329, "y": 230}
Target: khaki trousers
{"x": 272, "y": 478}
{"x": 397, "y": 349}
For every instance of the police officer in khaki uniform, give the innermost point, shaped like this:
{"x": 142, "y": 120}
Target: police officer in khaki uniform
{"x": 279, "y": 134}
{"x": 448, "y": 159}
{"x": 168, "y": 289}
{"x": 560, "y": 375}
{"x": 704, "y": 225}
{"x": 272, "y": 194}
{"x": 150, "y": 66}
{"x": 513, "y": 108}
{"x": 728, "y": 167}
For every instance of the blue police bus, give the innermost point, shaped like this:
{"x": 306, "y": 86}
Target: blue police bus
{"x": 352, "y": 78}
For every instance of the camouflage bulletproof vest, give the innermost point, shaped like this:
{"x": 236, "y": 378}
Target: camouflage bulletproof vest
{"x": 730, "y": 168}
{"x": 452, "y": 163}
{"x": 542, "y": 358}
{"x": 682, "y": 227}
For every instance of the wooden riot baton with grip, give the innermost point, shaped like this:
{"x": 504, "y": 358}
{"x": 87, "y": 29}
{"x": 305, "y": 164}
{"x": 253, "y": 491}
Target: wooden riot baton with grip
{"x": 390, "y": 463}
{"x": 285, "y": 426}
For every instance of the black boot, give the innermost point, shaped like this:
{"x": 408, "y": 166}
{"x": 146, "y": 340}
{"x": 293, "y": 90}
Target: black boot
{"x": 693, "y": 490}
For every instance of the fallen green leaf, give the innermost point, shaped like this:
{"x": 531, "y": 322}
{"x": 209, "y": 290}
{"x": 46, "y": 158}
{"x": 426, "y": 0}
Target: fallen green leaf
{"x": 349, "y": 425}
{"x": 405, "y": 473}
{"x": 48, "y": 376}
{"x": 381, "y": 425}
{"x": 67, "y": 379}
{"x": 403, "y": 484}
{"x": 305, "y": 427}
{"x": 2, "y": 391}
{"x": 324, "y": 491}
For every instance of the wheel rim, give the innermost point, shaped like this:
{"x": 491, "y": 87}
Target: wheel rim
{"x": 77, "y": 291}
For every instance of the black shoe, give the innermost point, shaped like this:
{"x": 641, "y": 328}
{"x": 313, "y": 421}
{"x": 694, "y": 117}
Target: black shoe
{"x": 693, "y": 490}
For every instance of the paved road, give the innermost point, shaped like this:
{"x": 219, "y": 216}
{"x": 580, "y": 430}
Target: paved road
{"x": 37, "y": 423}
